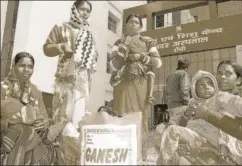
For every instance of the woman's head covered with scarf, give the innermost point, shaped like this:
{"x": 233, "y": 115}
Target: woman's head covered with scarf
{"x": 80, "y": 12}
{"x": 17, "y": 83}
{"x": 22, "y": 68}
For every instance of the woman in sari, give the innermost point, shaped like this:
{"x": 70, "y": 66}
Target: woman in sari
{"x": 133, "y": 56}
{"x": 228, "y": 149}
{"x": 74, "y": 43}
{"x": 230, "y": 79}
{"x": 27, "y": 138}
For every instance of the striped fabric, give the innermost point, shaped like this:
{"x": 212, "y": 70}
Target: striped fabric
{"x": 8, "y": 142}
{"x": 85, "y": 50}
{"x": 85, "y": 46}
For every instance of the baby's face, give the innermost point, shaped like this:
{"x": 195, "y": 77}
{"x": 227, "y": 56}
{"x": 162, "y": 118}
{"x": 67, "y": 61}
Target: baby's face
{"x": 205, "y": 88}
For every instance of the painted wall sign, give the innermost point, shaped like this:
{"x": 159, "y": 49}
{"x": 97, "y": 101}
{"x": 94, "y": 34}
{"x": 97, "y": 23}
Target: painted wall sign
{"x": 179, "y": 42}
{"x": 204, "y": 35}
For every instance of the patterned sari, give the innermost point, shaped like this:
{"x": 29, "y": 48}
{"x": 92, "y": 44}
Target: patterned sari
{"x": 22, "y": 141}
{"x": 129, "y": 78}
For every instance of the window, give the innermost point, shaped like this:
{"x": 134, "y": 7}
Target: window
{"x": 108, "y": 70}
{"x": 163, "y": 20}
{"x": 159, "y": 21}
{"x": 182, "y": 15}
{"x": 112, "y": 22}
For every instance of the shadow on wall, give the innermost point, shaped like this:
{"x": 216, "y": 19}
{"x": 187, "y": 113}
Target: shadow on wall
{"x": 48, "y": 97}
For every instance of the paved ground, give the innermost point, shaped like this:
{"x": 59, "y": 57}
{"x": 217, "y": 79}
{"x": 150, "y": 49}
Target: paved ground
{"x": 152, "y": 151}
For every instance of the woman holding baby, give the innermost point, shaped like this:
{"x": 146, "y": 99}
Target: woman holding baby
{"x": 133, "y": 57}
{"x": 230, "y": 82}
{"x": 199, "y": 137}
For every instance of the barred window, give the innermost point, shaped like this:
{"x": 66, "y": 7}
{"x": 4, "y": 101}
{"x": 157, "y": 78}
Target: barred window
{"x": 112, "y": 23}
{"x": 159, "y": 21}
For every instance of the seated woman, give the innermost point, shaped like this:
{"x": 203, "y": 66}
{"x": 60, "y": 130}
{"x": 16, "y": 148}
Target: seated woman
{"x": 27, "y": 138}
{"x": 199, "y": 136}
{"x": 229, "y": 125}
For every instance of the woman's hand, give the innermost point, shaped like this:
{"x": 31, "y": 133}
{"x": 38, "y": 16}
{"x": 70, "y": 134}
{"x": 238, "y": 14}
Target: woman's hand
{"x": 66, "y": 49}
{"x": 134, "y": 57}
{"x": 55, "y": 131}
{"x": 198, "y": 112}
{"x": 40, "y": 124}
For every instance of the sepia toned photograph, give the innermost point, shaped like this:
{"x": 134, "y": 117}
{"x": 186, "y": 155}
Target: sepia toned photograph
{"x": 87, "y": 82}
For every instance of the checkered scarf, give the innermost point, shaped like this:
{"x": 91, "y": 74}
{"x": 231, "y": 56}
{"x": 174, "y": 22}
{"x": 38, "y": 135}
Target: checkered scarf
{"x": 85, "y": 51}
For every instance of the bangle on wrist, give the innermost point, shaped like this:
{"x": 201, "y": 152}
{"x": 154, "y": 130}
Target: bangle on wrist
{"x": 185, "y": 116}
{"x": 142, "y": 56}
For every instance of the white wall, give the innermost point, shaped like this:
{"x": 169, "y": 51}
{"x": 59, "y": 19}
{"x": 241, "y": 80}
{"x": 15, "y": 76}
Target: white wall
{"x": 98, "y": 21}
{"x": 4, "y": 5}
{"x": 35, "y": 20}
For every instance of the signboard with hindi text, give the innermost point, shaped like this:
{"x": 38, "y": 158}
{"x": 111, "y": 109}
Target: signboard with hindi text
{"x": 109, "y": 145}
{"x": 198, "y": 36}
{"x": 181, "y": 41}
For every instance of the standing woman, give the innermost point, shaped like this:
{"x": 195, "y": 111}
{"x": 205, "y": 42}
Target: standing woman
{"x": 133, "y": 56}
{"x": 74, "y": 43}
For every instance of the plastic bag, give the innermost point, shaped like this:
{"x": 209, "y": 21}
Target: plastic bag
{"x": 103, "y": 117}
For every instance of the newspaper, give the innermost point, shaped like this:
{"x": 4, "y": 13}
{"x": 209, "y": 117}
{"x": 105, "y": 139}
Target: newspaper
{"x": 109, "y": 145}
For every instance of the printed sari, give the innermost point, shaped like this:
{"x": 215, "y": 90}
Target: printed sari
{"x": 23, "y": 140}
